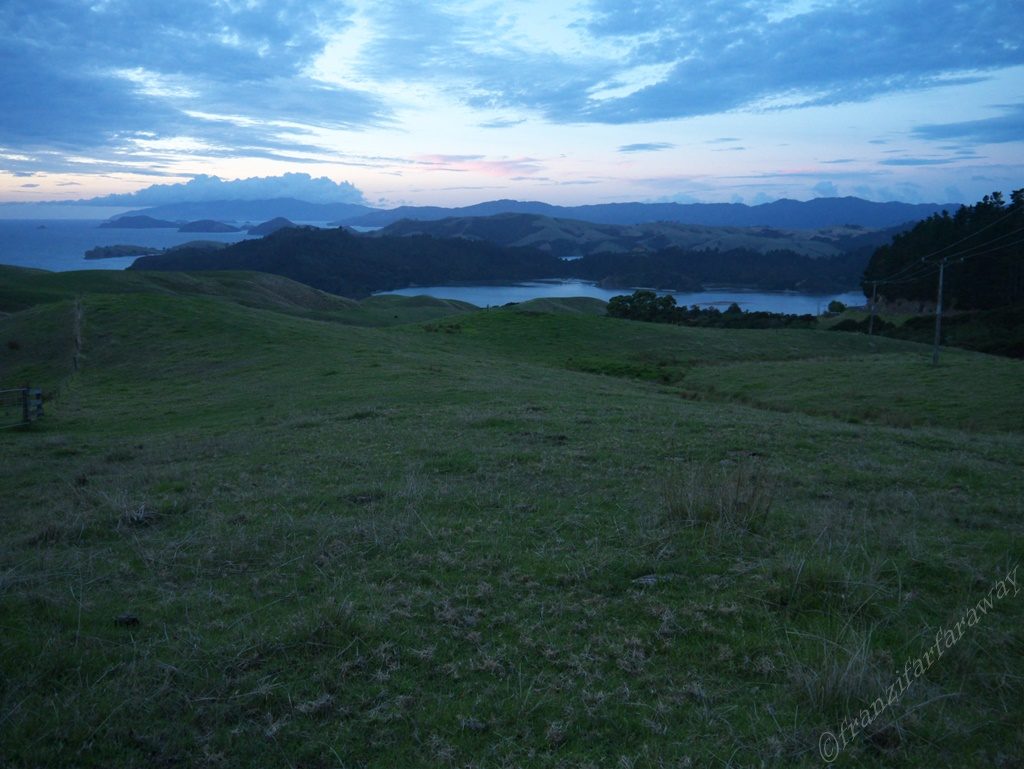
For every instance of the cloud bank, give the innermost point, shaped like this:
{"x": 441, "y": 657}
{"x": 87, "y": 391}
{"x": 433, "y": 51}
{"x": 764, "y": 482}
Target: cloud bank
{"x": 231, "y": 74}
{"x": 1008, "y": 127}
{"x": 204, "y": 189}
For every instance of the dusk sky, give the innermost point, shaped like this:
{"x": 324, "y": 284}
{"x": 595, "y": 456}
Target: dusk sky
{"x": 454, "y": 103}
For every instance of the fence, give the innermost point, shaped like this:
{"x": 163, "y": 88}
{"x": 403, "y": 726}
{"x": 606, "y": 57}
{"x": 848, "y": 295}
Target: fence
{"x": 20, "y": 406}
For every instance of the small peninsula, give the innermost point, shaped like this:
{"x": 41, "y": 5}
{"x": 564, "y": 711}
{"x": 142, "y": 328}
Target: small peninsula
{"x": 138, "y": 223}
{"x": 122, "y": 250}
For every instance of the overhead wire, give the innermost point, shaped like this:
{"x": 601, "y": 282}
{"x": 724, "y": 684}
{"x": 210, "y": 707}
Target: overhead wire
{"x": 922, "y": 267}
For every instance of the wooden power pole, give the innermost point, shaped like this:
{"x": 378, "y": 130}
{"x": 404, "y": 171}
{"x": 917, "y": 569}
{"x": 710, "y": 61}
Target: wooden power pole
{"x": 874, "y": 293}
{"x": 938, "y": 316}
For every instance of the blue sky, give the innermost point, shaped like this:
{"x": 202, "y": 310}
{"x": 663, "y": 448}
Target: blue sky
{"x": 569, "y": 102}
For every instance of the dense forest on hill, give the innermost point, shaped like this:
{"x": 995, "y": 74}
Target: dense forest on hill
{"x": 983, "y": 249}
{"x": 352, "y": 265}
{"x": 681, "y": 269}
{"x": 344, "y": 263}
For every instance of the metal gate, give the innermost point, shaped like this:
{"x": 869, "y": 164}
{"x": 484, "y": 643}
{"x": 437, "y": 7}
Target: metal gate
{"x": 20, "y": 406}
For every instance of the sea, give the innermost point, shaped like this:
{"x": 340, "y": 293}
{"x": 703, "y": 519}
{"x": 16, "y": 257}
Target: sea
{"x": 59, "y": 245}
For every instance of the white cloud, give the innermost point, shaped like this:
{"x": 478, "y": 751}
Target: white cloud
{"x": 208, "y": 188}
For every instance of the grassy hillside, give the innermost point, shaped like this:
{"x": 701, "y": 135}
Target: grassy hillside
{"x": 23, "y": 288}
{"x": 246, "y": 537}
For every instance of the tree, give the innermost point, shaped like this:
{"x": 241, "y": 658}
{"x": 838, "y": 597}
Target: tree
{"x": 643, "y": 305}
{"x": 980, "y": 246}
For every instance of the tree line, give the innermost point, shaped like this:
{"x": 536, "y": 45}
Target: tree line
{"x": 981, "y": 245}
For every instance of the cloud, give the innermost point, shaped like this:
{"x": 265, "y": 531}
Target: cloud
{"x": 838, "y": 161}
{"x": 825, "y": 190}
{"x": 1008, "y": 127}
{"x": 208, "y": 188}
{"x": 109, "y": 86}
{"x": 681, "y": 197}
{"x": 502, "y": 123}
{"x": 954, "y": 195}
{"x": 90, "y": 78}
{"x": 635, "y": 61}
{"x": 916, "y": 161}
{"x": 646, "y": 147}
{"x": 504, "y": 167}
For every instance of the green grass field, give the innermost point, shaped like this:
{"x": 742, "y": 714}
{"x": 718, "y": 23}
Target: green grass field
{"x": 263, "y": 526}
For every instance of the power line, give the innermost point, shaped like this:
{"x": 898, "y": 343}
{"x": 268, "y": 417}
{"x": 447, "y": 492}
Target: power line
{"x": 1012, "y": 210}
{"x": 1007, "y": 215}
{"x": 922, "y": 268}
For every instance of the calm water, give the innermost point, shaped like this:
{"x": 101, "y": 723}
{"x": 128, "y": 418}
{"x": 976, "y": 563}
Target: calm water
{"x": 60, "y": 244}
{"x": 768, "y": 301}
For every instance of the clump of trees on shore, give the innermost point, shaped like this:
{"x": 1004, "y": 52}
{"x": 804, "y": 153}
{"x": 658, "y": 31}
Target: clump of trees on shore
{"x": 647, "y": 306}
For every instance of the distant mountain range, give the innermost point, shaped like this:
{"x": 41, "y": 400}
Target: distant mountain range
{"x": 791, "y": 214}
{"x": 786, "y": 214}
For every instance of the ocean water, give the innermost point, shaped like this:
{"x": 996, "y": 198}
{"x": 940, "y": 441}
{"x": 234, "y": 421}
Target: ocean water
{"x": 60, "y": 244}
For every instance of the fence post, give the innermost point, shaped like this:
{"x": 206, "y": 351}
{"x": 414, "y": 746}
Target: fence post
{"x": 35, "y": 403}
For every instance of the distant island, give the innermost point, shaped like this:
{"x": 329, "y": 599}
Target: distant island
{"x": 208, "y": 225}
{"x": 118, "y": 251}
{"x": 145, "y": 222}
{"x": 141, "y": 222}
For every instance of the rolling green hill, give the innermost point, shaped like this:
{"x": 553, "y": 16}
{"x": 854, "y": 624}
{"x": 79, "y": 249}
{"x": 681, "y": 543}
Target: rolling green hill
{"x": 251, "y": 531}
{"x": 569, "y": 237}
{"x": 22, "y": 288}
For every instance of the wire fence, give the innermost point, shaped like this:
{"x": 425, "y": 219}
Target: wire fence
{"x": 20, "y": 406}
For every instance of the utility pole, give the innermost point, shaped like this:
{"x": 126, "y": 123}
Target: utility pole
{"x": 874, "y": 293}
{"x": 938, "y": 316}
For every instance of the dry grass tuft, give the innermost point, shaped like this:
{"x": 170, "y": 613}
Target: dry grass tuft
{"x": 724, "y": 499}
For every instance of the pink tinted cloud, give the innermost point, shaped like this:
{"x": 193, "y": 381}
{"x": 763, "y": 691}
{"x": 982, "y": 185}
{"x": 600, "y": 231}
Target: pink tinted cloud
{"x": 503, "y": 168}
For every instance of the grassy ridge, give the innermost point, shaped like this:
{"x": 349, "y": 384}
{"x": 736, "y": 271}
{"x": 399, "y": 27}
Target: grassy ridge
{"x": 242, "y": 537}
